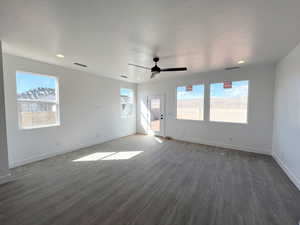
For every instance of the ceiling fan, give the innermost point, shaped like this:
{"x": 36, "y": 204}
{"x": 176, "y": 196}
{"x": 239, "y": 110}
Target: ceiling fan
{"x": 156, "y": 70}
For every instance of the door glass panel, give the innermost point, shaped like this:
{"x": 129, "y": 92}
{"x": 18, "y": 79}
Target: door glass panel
{"x": 155, "y": 114}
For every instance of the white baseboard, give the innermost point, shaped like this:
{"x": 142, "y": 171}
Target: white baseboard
{"x": 264, "y": 151}
{"x": 38, "y": 158}
{"x": 56, "y": 153}
{"x": 226, "y": 145}
{"x": 288, "y": 172}
{"x": 5, "y": 178}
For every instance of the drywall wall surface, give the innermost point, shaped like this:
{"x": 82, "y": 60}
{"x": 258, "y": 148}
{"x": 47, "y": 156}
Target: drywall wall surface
{"x": 256, "y": 136}
{"x": 3, "y": 139}
{"x": 286, "y": 148}
{"x": 89, "y": 112}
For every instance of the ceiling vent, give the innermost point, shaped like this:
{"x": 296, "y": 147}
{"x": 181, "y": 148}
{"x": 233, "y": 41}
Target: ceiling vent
{"x": 233, "y": 68}
{"x": 79, "y": 64}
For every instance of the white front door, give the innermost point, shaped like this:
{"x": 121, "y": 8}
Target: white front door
{"x": 156, "y": 120}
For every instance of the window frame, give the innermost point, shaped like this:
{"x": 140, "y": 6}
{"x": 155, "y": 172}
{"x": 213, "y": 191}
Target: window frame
{"x": 57, "y": 103}
{"x": 248, "y": 102}
{"x": 204, "y": 104}
{"x": 134, "y": 104}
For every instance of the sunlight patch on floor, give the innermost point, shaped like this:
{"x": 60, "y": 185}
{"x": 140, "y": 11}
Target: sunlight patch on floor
{"x": 108, "y": 156}
{"x": 94, "y": 156}
{"x": 159, "y": 140}
{"x": 123, "y": 155}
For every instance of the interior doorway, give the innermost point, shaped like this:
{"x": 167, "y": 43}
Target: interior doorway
{"x": 156, "y": 118}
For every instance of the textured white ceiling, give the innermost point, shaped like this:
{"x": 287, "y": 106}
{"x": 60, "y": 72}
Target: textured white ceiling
{"x": 108, "y": 34}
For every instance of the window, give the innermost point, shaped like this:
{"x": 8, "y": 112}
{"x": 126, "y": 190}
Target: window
{"x": 190, "y": 102}
{"x": 229, "y": 101}
{"x": 127, "y": 102}
{"x": 37, "y": 100}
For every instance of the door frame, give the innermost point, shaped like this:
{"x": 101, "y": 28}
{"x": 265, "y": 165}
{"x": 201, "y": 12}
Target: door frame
{"x": 162, "y": 131}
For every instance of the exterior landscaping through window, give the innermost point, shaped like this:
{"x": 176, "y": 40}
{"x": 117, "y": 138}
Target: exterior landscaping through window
{"x": 37, "y": 100}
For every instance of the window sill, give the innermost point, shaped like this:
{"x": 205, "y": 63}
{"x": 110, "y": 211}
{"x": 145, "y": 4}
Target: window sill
{"x": 230, "y": 123}
{"x": 40, "y": 127}
{"x": 217, "y": 122}
{"x": 190, "y": 120}
{"x": 127, "y": 117}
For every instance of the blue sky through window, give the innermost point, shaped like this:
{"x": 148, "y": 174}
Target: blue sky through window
{"x": 239, "y": 89}
{"x": 198, "y": 92}
{"x": 126, "y": 92}
{"x": 28, "y": 81}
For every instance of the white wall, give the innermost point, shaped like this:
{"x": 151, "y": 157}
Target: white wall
{"x": 3, "y": 140}
{"x": 286, "y": 148}
{"x": 89, "y": 112}
{"x": 256, "y": 136}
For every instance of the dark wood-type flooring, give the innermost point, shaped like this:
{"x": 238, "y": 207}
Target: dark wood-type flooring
{"x": 168, "y": 183}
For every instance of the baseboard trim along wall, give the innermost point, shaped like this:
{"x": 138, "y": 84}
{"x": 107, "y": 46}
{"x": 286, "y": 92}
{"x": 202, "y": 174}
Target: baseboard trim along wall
{"x": 5, "y": 178}
{"x": 288, "y": 172}
{"x": 53, "y": 154}
{"x": 40, "y": 157}
{"x": 265, "y": 151}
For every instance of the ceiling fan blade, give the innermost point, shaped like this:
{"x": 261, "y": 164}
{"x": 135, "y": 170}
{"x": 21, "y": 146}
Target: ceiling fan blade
{"x": 174, "y": 69}
{"x": 143, "y": 67}
{"x": 153, "y": 75}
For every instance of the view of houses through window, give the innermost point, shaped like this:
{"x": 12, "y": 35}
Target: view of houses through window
{"x": 37, "y": 99}
{"x": 127, "y": 102}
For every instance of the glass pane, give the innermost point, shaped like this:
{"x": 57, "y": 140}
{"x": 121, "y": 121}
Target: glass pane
{"x": 229, "y": 101}
{"x": 36, "y": 114}
{"x": 36, "y": 87}
{"x": 127, "y": 102}
{"x": 37, "y": 100}
{"x": 155, "y": 114}
{"x": 190, "y": 102}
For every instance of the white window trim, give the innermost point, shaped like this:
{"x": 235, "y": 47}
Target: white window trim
{"x": 184, "y": 85}
{"x": 248, "y": 103}
{"x": 207, "y": 99}
{"x": 38, "y": 101}
{"x": 134, "y": 104}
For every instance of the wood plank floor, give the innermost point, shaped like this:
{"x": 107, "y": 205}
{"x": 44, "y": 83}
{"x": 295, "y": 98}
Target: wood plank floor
{"x": 168, "y": 183}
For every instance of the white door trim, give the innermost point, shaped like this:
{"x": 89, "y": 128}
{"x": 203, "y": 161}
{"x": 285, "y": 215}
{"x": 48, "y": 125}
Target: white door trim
{"x": 162, "y": 115}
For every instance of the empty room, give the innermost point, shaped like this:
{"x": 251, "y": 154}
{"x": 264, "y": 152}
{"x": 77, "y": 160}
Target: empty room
{"x": 141, "y": 112}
